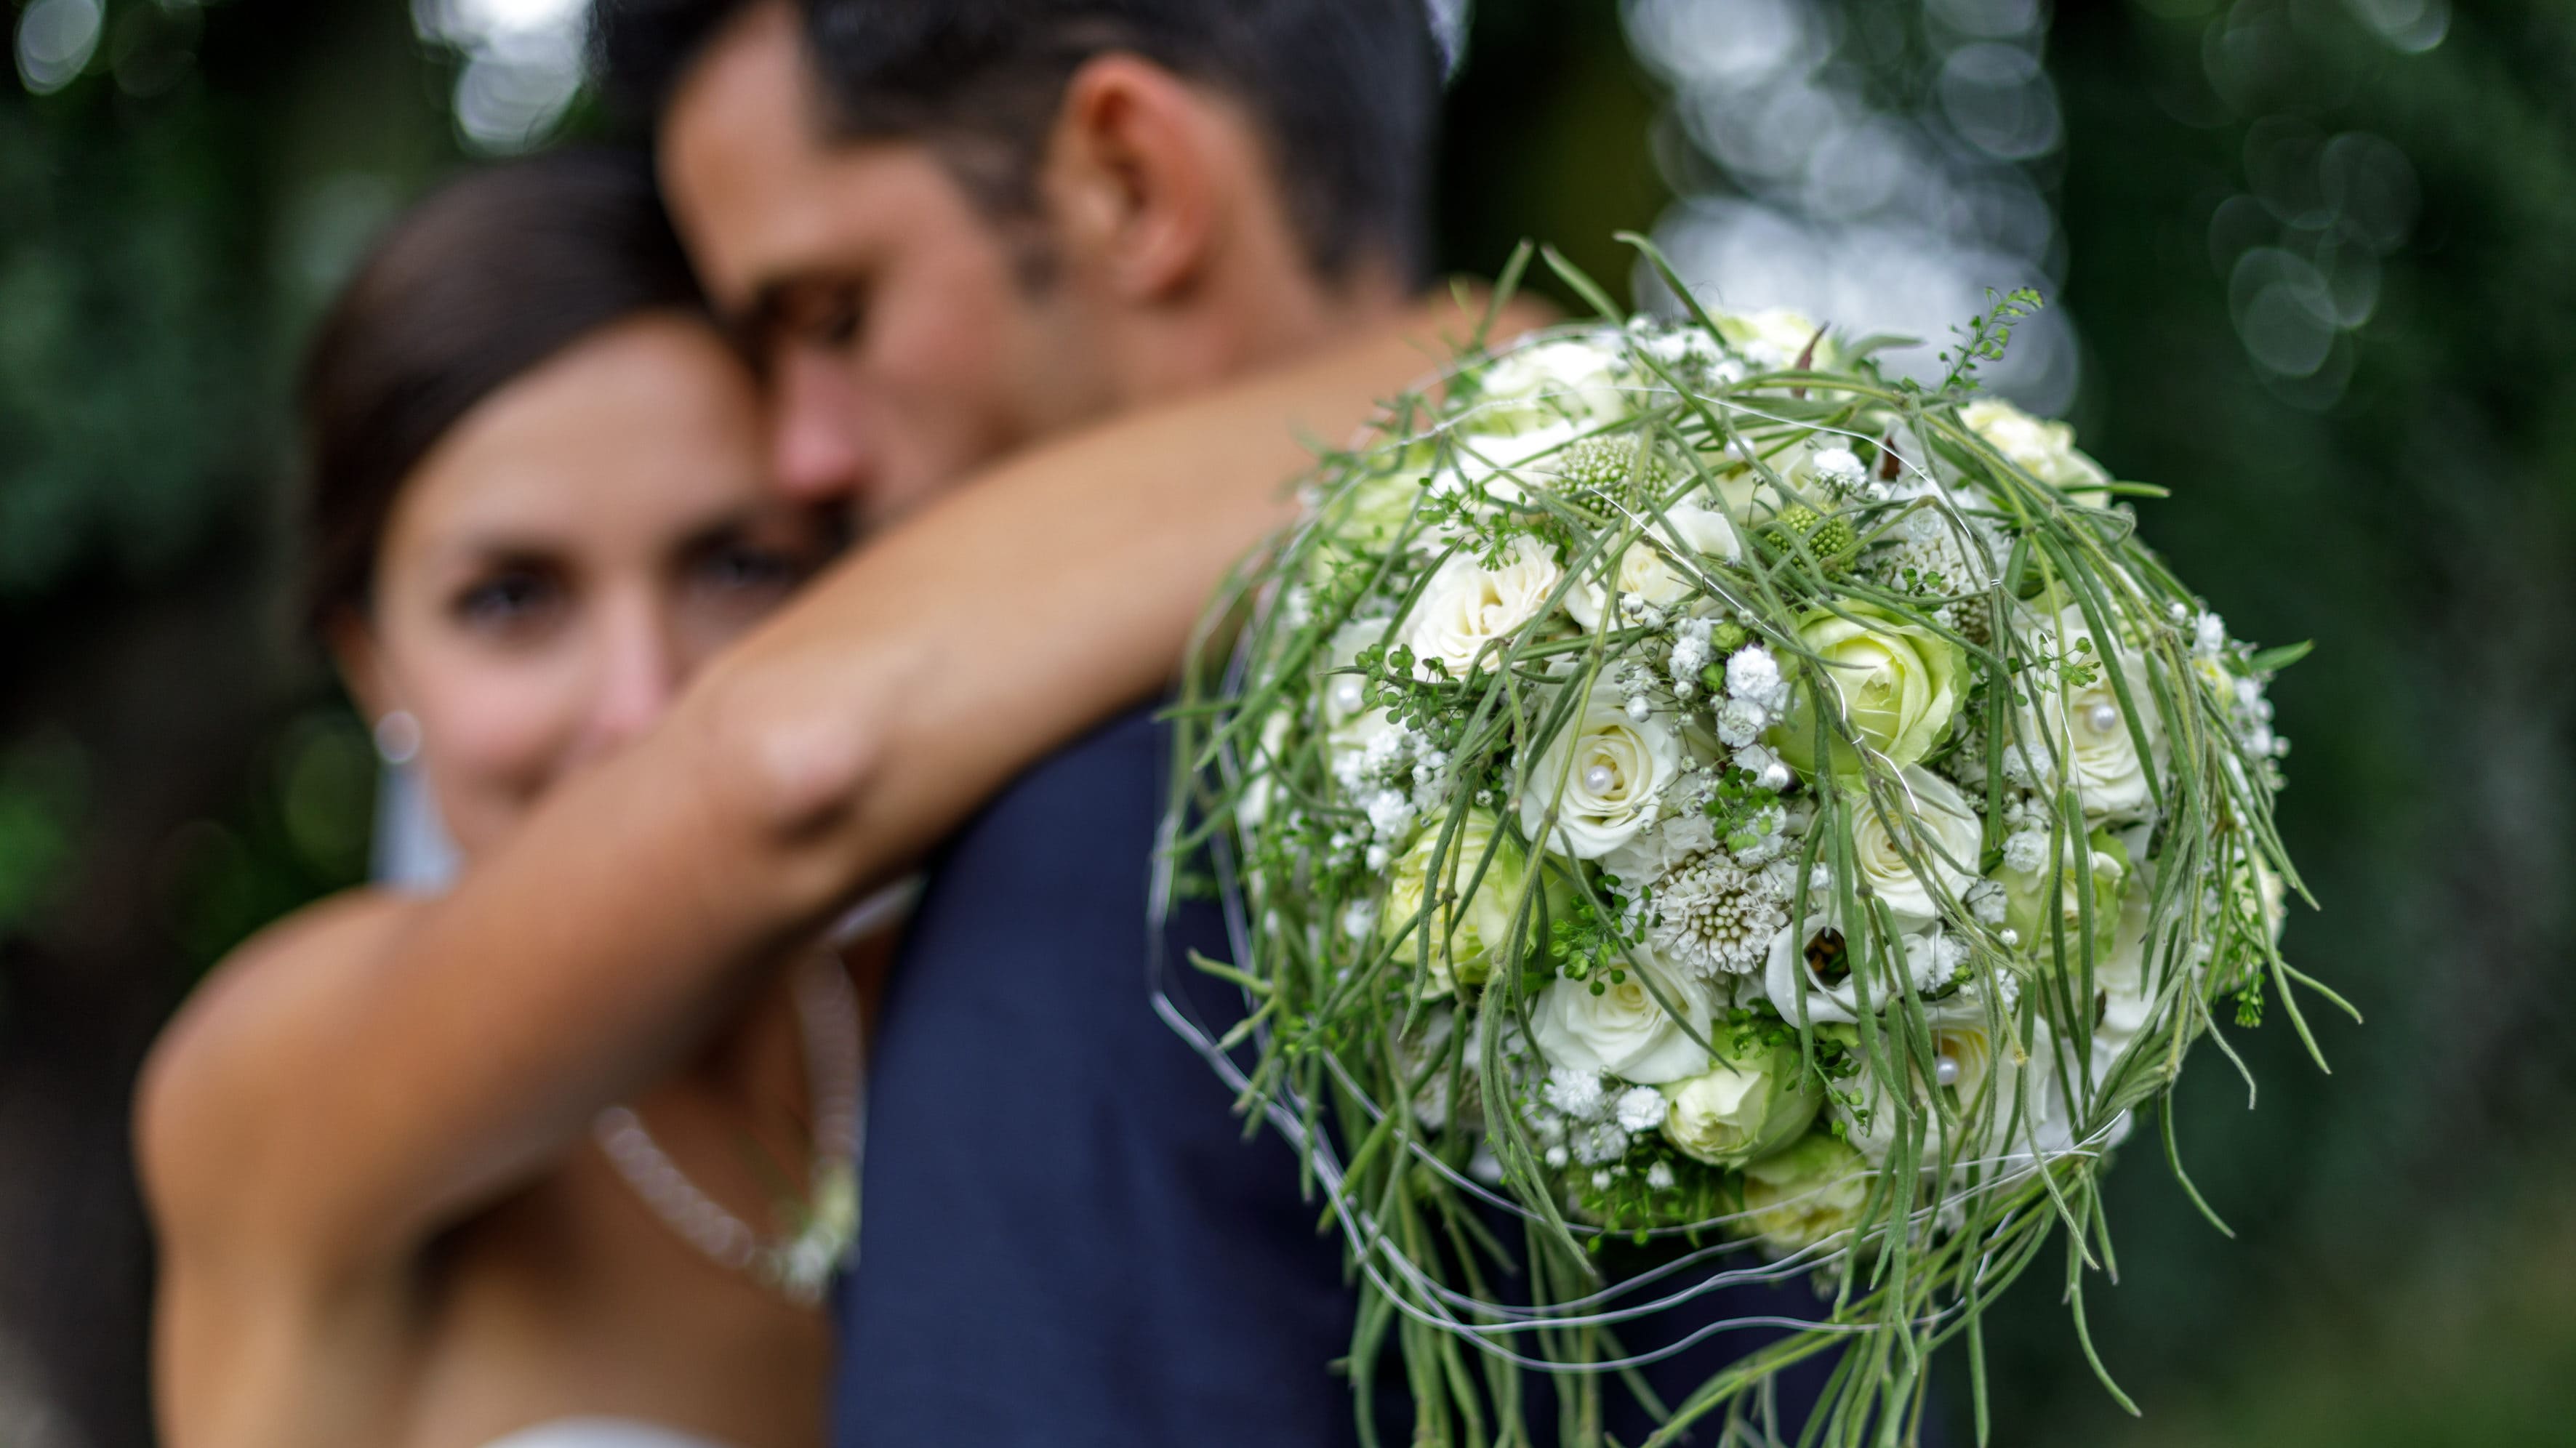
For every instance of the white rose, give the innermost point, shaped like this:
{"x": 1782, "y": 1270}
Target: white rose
{"x": 1483, "y": 457}
{"x": 1467, "y": 605}
{"x": 2125, "y": 990}
{"x": 1746, "y": 489}
{"x": 1377, "y": 507}
{"x": 1622, "y": 1030}
{"x": 1745, "y": 1106}
{"x": 1603, "y": 772}
{"x": 1253, "y": 805}
{"x": 2052, "y": 1107}
{"x": 1576, "y": 379}
{"x": 2098, "y": 864}
{"x": 1964, "y": 1071}
{"x": 1808, "y": 1195}
{"x": 2090, "y": 728}
{"x": 1776, "y": 337}
{"x": 1648, "y": 568}
{"x": 2045, "y": 450}
{"x": 1822, "y": 964}
{"x": 1350, "y": 725}
{"x": 1935, "y": 822}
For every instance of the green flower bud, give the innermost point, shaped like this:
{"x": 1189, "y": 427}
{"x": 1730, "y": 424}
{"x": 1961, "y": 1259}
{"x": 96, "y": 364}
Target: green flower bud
{"x": 1608, "y": 462}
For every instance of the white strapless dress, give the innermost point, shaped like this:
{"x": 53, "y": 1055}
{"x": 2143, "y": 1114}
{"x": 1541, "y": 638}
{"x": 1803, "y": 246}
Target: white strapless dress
{"x": 601, "y": 1433}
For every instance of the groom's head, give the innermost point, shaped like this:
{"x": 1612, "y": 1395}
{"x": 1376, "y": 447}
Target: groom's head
{"x": 948, "y": 227}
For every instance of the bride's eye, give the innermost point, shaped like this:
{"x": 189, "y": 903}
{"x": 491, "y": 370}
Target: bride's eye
{"x": 739, "y": 569}
{"x": 513, "y": 601}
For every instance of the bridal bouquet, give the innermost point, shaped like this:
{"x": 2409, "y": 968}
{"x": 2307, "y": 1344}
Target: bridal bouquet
{"x": 1681, "y": 785}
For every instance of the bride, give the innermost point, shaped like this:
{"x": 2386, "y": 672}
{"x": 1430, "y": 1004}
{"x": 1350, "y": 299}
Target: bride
{"x": 448, "y": 1201}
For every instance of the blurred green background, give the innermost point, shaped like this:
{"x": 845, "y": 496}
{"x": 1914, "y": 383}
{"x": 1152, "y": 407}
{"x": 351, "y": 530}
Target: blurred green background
{"x": 2310, "y": 263}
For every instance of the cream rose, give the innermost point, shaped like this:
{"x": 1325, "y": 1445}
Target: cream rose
{"x": 1748, "y": 1104}
{"x": 1603, "y": 772}
{"x": 1897, "y": 685}
{"x": 2089, "y": 727}
{"x": 1622, "y": 1030}
{"x": 1648, "y": 569}
{"x": 1934, "y": 821}
{"x": 1465, "y": 939}
{"x": 1583, "y": 379}
{"x": 1467, "y": 606}
{"x": 1809, "y": 1194}
{"x": 2045, "y": 450}
{"x": 1775, "y": 338}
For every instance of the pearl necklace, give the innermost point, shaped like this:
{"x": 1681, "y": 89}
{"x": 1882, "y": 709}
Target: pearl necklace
{"x": 799, "y": 1265}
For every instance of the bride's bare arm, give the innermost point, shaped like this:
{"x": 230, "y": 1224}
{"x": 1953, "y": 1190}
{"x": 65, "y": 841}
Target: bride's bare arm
{"x": 429, "y": 1054}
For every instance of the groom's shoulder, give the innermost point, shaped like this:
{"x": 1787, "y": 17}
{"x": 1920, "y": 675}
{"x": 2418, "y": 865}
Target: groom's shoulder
{"x": 1107, "y": 786}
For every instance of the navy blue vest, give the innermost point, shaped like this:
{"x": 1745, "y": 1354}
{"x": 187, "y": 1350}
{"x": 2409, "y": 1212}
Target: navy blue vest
{"x": 1067, "y": 1240}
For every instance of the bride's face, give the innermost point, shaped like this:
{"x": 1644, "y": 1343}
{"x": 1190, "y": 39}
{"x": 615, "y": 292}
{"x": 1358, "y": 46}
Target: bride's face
{"x": 566, "y": 557}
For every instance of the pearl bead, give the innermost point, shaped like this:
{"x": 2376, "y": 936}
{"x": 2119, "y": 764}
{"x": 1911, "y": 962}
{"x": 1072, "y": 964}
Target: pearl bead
{"x": 2104, "y": 718}
{"x": 1639, "y": 710}
{"x": 1946, "y": 1071}
{"x": 1348, "y": 695}
{"x": 1599, "y": 778}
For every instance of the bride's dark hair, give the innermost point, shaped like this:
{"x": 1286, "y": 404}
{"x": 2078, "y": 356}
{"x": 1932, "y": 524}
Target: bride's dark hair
{"x": 473, "y": 287}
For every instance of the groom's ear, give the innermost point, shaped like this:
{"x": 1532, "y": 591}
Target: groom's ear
{"x": 1137, "y": 176}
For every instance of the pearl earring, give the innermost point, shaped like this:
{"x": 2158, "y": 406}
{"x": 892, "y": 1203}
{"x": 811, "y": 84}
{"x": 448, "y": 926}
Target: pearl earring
{"x": 398, "y": 737}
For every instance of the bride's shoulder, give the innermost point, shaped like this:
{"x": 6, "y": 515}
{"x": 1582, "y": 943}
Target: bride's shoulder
{"x": 232, "y": 1044}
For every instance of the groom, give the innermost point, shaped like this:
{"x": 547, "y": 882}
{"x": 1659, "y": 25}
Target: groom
{"x": 948, "y": 229}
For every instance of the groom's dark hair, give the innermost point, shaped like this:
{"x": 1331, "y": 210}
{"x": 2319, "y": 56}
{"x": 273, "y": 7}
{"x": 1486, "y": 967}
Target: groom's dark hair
{"x": 1345, "y": 92}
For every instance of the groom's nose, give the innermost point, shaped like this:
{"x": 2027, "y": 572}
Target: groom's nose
{"x": 815, "y": 452}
